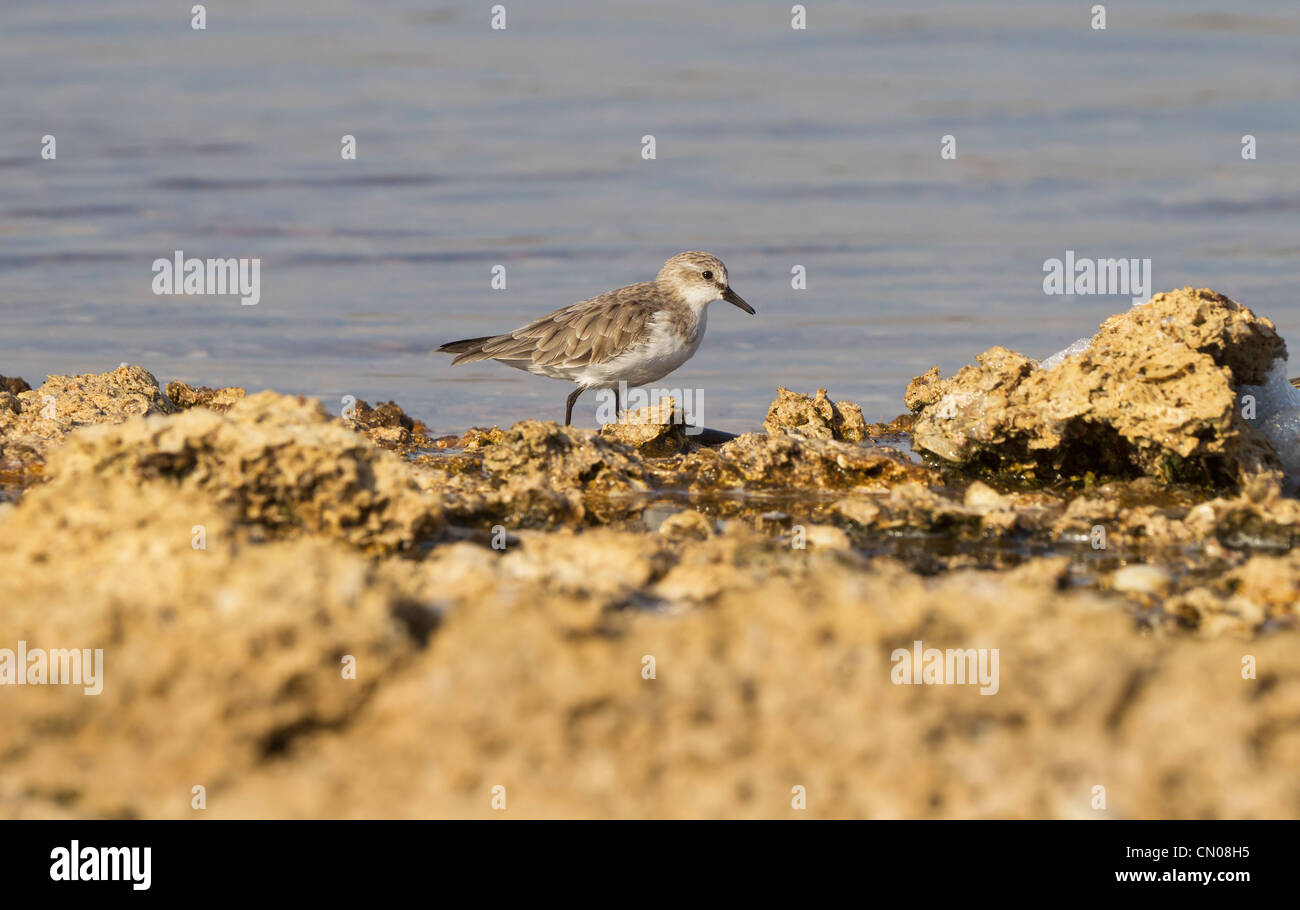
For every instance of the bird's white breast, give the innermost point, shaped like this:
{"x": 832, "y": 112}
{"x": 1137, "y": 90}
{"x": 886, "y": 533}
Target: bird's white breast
{"x": 664, "y": 350}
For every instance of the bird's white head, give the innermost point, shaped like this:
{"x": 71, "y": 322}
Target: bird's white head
{"x": 700, "y": 278}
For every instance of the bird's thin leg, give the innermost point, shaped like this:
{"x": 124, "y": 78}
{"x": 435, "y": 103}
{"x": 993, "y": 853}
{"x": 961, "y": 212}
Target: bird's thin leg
{"x": 618, "y": 403}
{"x": 568, "y": 405}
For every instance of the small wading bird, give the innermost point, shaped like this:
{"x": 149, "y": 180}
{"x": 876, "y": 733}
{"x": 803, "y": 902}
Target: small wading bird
{"x": 636, "y": 335}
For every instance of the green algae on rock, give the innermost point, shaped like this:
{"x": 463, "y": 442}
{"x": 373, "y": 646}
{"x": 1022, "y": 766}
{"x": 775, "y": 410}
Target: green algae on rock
{"x": 1155, "y": 393}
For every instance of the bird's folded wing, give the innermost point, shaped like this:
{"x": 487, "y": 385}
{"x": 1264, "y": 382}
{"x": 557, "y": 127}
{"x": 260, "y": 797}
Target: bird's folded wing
{"x": 588, "y": 332}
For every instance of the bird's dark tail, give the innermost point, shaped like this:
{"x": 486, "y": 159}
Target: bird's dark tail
{"x": 469, "y": 349}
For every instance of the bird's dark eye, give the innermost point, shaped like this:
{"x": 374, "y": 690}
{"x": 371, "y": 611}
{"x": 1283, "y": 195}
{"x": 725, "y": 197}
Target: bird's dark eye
{"x": 708, "y": 276}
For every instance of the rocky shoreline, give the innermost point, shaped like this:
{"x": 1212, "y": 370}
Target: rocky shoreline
{"x": 1118, "y": 525}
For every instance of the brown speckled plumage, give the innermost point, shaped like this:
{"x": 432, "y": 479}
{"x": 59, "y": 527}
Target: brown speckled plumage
{"x": 591, "y": 331}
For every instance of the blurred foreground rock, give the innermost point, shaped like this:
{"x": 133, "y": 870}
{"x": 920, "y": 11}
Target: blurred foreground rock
{"x": 526, "y": 668}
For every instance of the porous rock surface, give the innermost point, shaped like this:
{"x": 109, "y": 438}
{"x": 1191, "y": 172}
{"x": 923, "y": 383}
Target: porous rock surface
{"x": 1156, "y": 393}
{"x": 817, "y": 418}
{"x": 311, "y": 616}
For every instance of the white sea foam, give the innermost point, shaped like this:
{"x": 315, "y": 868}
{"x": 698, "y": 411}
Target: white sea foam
{"x": 1077, "y": 348}
{"x": 1277, "y": 416}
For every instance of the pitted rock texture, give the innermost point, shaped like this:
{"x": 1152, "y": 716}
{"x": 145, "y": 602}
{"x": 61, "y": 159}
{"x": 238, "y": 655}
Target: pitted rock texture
{"x": 32, "y": 419}
{"x": 186, "y": 396}
{"x": 311, "y": 626}
{"x": 655, "y": 431}
{"x": 221, "y": 650}
{"x": 538, "y": 474}
{"x": 758, "y": 461}
{"x": 275, "y": 461}
{"x": 1156, "y": 393}
{"x": 793, "y": 414}
{"x": 63, "y": 403}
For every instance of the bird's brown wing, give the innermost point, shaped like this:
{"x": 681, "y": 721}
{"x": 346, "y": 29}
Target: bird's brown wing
{"x": 591, "y": 331}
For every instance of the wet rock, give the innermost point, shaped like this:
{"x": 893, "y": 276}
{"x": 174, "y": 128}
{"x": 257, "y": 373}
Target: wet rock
{"x": 827, "y": 537}
{"x": 568, "y": 457}
{"x": 926, "y": 389}
{"x": 815, "y": 418}
{"x": 13, "y": 385}
{"x": 1258, "y": 516}
{"x": 539, "y": 474}
{"x": 1128, "y": 513}
{"x": 1155, "y": 393}
{"x": 389, "y": 426}
{"x": 655, "y": 431}
{"x": 1140, "y": 579}
{"x": 686, "y": 525}
{"x": 1261, "y": 594}
{"x": 758, "y": 461}
{"x": 477, "y": 437}
{"x": 385, "y": 414}
{"x": 684, "y": 658}
{"x": 186, "y": 396}
{"x": 898, "y": 428}
{"x": 916, "y": 508}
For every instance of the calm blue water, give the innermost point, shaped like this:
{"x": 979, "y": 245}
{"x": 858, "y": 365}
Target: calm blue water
{"x": 522, "y": 147}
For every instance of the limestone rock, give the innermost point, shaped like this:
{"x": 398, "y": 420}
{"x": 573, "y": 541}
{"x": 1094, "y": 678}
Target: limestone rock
{"x": 186, "y": 396}
{"x": 276, "y": 461}
{"x": 1155, "y": 394}
{"x": 816, "y": 418}
{"x": 655, "y": 431}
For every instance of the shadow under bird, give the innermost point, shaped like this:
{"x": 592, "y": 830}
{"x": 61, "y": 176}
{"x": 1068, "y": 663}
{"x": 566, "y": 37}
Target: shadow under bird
{"x": 636, "y": 334}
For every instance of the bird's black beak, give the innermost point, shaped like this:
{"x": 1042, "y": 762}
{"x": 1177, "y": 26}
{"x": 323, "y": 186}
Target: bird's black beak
{"x": 735, "y": 299}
